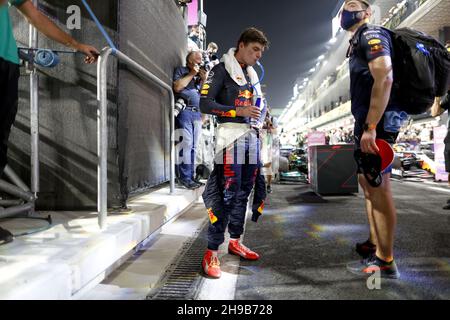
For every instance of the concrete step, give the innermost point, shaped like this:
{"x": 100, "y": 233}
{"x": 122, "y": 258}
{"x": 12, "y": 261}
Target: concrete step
{"x": 75, "y": 255}
{"x": 141, "y": 273}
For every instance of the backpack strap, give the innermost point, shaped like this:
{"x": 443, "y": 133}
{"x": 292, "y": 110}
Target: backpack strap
{"x": 355, "y": 41}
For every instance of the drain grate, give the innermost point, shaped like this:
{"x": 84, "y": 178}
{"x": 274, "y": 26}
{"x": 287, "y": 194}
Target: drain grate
{"x": 182, "y": 278}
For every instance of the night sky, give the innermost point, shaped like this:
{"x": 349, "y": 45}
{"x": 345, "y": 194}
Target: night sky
{"x": 297, "y": 29}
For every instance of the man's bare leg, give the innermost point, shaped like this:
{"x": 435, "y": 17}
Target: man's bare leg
{"x": 382, "y": 217}
{"x": 269, "y": 180}
{"x": 369, "y": 209}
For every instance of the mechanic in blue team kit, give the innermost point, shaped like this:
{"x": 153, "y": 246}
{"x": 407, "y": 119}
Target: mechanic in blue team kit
{"x": 9, "y": 69}
{"x": 231, "y": 93}
{"x": 373, "y": 106}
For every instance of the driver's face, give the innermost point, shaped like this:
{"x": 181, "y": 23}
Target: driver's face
{"x": 251, "y": 52}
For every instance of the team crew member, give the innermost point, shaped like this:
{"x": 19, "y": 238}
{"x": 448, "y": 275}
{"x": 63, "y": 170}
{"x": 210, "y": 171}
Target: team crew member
{"x": 373, "y": 105}
{"x": 9, "y": 69}
{"x": 229, "y": 94}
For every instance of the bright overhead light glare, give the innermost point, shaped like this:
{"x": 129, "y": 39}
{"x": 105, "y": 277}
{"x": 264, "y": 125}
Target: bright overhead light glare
{"x": 312, "y": 70}
{"x": 333, "y": 40}
{"x": 321, "y": 57}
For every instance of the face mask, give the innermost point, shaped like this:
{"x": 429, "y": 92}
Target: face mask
{"x": 350, "y": 18}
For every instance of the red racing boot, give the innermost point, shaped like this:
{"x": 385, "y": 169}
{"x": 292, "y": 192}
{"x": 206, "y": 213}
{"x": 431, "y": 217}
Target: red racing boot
{"x": 238, "y": 249}
{"x": 211, "y": 264}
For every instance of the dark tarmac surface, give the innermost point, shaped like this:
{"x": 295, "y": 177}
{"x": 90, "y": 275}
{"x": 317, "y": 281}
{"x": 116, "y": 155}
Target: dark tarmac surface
{"x": 305, "y": 247}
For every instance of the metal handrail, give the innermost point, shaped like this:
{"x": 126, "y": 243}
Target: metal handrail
{"x": 102, "y": 124}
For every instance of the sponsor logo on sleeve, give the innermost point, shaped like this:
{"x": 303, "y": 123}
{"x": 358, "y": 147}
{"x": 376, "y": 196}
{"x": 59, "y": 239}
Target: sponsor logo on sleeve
{"x": 376, "y": 48}
{"x": 205, "y": 89}
{"x": 212, "y": 217}
{"x": 229, "y": 114}
{"x": 371, "y": 34}
{"x": 261, "y": 208}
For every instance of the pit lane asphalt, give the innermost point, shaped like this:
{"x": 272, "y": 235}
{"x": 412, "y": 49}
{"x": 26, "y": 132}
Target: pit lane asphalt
{"x": 305, "y": 246}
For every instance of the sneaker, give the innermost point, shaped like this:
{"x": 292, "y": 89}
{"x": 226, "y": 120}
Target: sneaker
{"x": 5, "y": 236}
{"x": 211, "y": 264}
{"x": 356, "y": 266}
{"x": 366, "y": 249}
{"x": 238, "y": 249}
{"x": 269, "y": 189}
{"x": 367, "y": 267}
{"x": 190, "y": 185}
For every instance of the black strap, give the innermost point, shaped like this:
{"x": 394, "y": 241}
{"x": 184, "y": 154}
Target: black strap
{"x": 370, "y": 166}
{"x": 355, "y": 41}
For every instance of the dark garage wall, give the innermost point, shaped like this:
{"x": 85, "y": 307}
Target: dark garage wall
{"x": 156, "y": 38}
{"x": 68, "y": 106}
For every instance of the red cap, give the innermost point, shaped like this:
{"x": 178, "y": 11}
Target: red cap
{"x": 386, "y": 153}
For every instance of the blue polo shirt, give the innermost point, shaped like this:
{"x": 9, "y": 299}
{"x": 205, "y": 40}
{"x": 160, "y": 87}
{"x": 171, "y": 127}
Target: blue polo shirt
{"x": 192, "y": 92}
{"x": 8, "y": 46}
{"x": 370, "y": 42}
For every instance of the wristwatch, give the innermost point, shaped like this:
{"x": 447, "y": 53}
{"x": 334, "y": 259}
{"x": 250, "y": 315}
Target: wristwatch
{"x": 369, "y": 127}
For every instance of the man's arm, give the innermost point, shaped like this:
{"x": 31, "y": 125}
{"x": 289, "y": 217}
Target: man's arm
{"x": 381, "y": 70}
{"x": 52, "y": 31}
{"x": 182, "y": 82}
